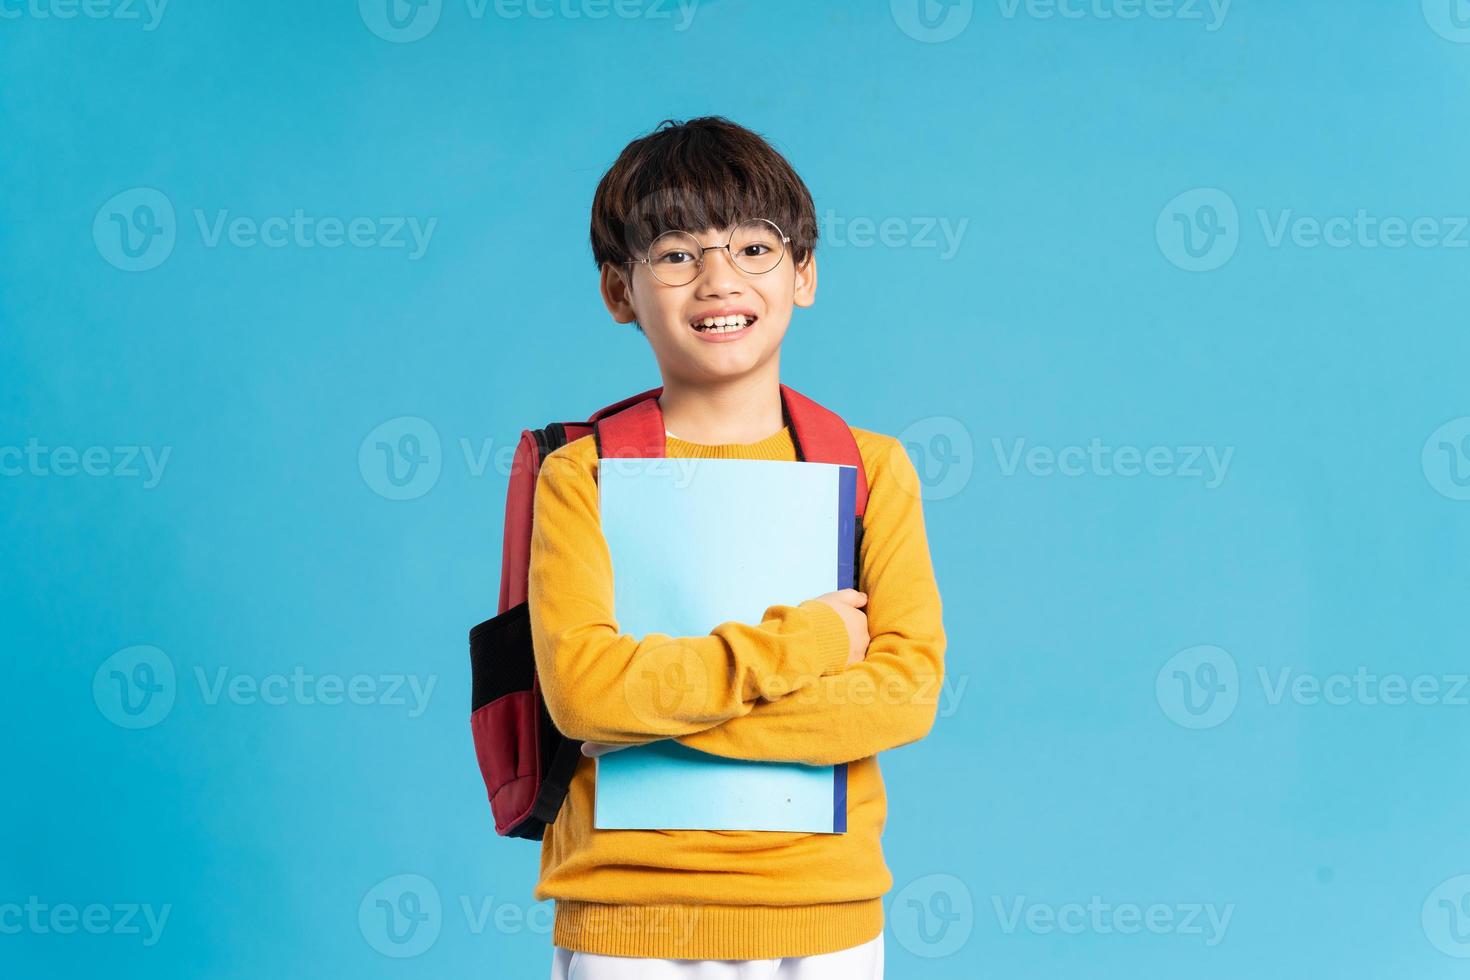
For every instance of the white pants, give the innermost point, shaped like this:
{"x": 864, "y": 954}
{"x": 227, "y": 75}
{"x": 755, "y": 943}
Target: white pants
{"x": 864, "y": 962}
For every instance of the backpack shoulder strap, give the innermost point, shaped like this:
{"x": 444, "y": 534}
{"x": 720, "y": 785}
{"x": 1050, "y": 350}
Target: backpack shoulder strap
{"x": 822, "y": 436}
{"x": 631, "y": 400}
{"x": 631, "y": 429}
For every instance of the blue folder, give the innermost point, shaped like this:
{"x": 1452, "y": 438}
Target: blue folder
{"x": 696, "y": 543}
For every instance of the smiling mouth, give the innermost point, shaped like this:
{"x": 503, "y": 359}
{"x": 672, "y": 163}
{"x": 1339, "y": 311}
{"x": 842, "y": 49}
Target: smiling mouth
{"x": 723, "y": 324}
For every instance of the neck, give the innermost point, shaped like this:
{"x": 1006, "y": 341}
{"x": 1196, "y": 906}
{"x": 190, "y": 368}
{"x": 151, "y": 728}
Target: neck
{"x": 741, "y": 410}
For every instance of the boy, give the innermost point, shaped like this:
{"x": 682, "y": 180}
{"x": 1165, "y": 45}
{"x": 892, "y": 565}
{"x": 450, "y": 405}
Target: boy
{"x": 704, "y": 236}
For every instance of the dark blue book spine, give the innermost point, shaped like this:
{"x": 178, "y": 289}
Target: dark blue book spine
{"x": 846, "y": 525}
{"x": 846, "y": 579}
{"x": 839, "y": 799}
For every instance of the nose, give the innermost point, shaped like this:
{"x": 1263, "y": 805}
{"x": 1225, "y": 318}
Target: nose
{"x": 719, "y": 273}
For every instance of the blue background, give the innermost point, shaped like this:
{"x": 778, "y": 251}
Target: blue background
{"x": 1336, "y": 539}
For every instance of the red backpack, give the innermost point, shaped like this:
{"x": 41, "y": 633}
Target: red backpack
{"x": 526, "y": 763}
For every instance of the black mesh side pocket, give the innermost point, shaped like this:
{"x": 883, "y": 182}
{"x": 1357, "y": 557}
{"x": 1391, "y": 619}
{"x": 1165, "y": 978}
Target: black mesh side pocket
{"x": 502, "y": 660}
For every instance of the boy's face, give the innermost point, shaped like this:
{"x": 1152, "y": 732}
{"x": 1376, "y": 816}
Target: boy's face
{"x": 667, "y": 313}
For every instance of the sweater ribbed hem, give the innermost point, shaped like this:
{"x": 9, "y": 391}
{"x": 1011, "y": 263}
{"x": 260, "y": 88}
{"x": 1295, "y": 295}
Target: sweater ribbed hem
{"x": 832, "y": 643}
{"x": 715, "y": 932}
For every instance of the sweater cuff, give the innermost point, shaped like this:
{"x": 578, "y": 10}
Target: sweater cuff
{"x": 830, "y": 641}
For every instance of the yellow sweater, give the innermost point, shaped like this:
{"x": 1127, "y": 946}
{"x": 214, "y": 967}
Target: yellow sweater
{"x": 779, "y": 690}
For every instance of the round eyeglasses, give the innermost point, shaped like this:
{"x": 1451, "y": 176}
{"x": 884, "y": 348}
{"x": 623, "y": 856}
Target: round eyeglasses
{"x": 675, "y": 257}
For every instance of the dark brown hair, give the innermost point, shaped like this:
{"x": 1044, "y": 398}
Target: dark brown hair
{"x": 705, "y": 173}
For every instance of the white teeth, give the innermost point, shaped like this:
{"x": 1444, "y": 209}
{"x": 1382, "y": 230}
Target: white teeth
{"x": 723, "y": 324}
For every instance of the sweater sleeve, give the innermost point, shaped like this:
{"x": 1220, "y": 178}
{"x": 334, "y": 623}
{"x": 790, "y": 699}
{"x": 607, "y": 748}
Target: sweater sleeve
{"x": 601, "y": 684}
{"x": 891, "y": 697}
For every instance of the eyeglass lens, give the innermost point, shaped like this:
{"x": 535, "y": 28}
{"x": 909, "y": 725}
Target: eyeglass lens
{"x": 755, "y": 247}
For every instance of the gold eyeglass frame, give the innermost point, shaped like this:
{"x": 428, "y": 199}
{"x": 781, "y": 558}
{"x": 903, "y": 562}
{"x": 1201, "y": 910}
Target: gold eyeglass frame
{"x": 699, "y": 259}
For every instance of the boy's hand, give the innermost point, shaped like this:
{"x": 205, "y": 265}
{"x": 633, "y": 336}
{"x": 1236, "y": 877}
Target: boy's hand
{"x": 846, "y": 602}
{"x": 593, "y": 749}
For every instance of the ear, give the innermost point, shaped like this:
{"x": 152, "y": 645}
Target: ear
{"x": 805, "y": 289}
{"x": 617, "y": 293}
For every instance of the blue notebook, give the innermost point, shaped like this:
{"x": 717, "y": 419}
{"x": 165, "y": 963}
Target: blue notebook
{"x": 696, "y": 543}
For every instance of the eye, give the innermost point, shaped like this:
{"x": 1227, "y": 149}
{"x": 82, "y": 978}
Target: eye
{"x": 674, "y": 258}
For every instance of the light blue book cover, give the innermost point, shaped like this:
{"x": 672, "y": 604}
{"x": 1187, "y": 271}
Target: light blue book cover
{"x": 696, "y": 543}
